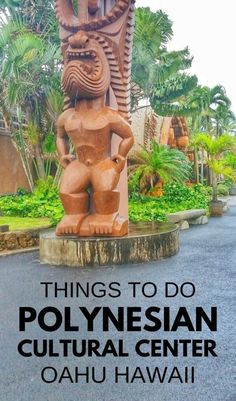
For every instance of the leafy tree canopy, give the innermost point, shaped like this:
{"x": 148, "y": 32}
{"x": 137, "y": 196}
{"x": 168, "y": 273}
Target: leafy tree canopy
{"x": 159, "y": 75}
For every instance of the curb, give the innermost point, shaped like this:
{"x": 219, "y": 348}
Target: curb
{"x": 18, "y": 251}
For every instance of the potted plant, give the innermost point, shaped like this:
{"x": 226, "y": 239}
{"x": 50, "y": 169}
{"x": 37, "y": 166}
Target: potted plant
{"x": 215, "y": 149}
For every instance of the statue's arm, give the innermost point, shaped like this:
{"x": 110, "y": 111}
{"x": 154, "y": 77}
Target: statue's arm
{"x": 62, "y": 143}
{"x": 123, "y": 129}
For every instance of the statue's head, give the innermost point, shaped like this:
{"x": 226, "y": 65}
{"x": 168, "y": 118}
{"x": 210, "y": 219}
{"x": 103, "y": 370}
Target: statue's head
{"x": 86, "y": 72}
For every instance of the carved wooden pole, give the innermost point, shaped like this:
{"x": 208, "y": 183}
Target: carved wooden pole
{"x": 83, "y": 11}
{"x": 123, "y": 183}
{"x": 97, "y": 50}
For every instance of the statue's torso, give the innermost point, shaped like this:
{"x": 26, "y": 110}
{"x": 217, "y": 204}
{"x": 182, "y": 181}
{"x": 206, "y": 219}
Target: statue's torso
{"x": 90, "y": 134}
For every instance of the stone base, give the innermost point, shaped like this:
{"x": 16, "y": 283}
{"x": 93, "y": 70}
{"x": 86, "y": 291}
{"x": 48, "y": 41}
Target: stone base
{"x": 146, "y": 242}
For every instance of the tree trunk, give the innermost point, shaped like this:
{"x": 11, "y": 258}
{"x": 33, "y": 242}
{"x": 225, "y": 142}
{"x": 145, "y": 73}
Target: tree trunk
{"x": 21, "y": 148}
{"x": 217, "y": 128}
{"x": 196, "y": 166}
{"x": 40, "y": 162}
{"x": 214, "y": 186}
{"x": 202, "y": 167}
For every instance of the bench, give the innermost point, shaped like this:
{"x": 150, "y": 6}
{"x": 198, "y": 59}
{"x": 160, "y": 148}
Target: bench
{"x": 186, "y": 218}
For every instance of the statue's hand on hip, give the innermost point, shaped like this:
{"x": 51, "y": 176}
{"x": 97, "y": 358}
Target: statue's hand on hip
{"x": 119, "y": 161}
{"x": 66, "y": 160}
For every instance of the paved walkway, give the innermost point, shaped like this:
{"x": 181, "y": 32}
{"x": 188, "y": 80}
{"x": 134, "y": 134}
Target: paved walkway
{"x": 207, "y": 258}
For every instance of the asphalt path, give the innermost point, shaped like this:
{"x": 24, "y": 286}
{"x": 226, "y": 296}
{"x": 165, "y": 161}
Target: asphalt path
{"x": 207, "y": 258}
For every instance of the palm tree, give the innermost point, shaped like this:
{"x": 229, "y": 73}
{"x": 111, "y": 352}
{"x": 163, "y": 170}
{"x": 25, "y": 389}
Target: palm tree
{"x": 38, "y": 16}
{"x": 159, "y": 164}
{"x": 6, "y": 5}
{"x": 215, "y": 149}
{"x": 29, "y": 74}
{"x": 206, "y": 106}
{"x": 158, "y": 75}
{"x": 224, "y": 121}
{"x": 230, "y": 159}
{"x": 205, "y": 102}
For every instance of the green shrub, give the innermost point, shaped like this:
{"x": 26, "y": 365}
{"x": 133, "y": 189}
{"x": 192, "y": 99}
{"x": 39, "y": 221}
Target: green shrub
{"x": 223, "y": 190}
{"x": 148, "y": 211}
{"x": 160, "y": 163}
{"x": 184, "y": 196}
{"x": 43, "y": 202}
{"x": 208, "y": 190}
{"x": 228, "y": 183}
{"x": 176, "y": 197}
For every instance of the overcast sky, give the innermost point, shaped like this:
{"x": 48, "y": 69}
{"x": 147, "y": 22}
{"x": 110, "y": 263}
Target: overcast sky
{"x": 208, "y": 28}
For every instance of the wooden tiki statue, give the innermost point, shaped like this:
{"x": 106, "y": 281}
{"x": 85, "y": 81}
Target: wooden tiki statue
{"x": 97, "y": 52}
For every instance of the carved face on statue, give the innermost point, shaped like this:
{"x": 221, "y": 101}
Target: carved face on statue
{"x": 86, "y": 73}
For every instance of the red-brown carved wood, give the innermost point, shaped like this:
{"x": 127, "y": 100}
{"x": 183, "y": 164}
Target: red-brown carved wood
{"x": 97, "y": 51}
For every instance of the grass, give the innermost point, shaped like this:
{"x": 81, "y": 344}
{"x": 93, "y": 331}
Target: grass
{"x": 24, "y": 223}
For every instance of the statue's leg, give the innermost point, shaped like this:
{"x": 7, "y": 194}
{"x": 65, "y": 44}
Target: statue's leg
{"x": 74, "y": 198}
{"x": 106, "y": 200}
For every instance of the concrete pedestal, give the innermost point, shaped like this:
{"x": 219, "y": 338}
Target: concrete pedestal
{"x": 146, "y": 242}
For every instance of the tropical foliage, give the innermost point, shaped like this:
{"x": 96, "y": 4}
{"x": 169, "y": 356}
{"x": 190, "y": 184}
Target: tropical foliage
{"x": 30, "y": 82}
{"x": 210, "y": 110}
{"x": 176, "y": 197}
{"x": 160, "y": 163}
{"x": 216, "y": 149}
{"x": 30, "y": 66}
{"x": 42, "y": 202}
{"x": 159, "y": 76}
